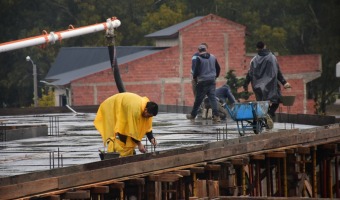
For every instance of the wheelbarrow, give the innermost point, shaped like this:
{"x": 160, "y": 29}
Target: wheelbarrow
{"x": 249, "y": 116}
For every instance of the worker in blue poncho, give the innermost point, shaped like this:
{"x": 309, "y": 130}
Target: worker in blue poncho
{"x": 123, "y": 120}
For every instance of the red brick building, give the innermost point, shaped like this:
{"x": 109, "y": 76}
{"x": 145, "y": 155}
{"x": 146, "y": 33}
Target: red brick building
{"x": 162, "y": 73}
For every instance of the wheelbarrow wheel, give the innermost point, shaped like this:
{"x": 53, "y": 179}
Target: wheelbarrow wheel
{"x": 240, "y": 128}
{"x": 257, "y": 126}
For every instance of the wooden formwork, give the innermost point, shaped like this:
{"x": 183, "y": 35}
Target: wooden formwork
{"x": 288, "y": 164}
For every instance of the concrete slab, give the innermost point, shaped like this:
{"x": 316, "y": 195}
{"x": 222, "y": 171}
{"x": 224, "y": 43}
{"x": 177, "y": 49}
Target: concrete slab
{"x": 72, "y": 139}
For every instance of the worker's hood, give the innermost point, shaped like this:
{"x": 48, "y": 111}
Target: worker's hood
{"x": 205, "y": 55}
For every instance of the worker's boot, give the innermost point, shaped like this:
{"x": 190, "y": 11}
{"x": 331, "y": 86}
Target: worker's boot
{"x": 189, "y": 116}
{"x": 269, "y": 122}
{"x": 216, "y": 118}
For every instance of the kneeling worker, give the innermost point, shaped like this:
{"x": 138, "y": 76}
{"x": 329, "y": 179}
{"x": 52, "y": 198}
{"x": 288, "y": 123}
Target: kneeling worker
{"x": 123, "y": 120}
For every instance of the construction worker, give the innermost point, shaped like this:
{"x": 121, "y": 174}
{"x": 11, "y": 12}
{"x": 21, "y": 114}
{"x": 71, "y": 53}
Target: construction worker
{"x": 264, "y": 75}
{"x": 123, "y": 120}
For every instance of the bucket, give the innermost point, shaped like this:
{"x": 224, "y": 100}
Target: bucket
{"x": 110, "y": 155}
{"x": 287, "y": 100}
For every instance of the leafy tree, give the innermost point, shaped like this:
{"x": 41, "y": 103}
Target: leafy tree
{"x": 287, "y": 26}
{"x": 235, "y": 84}
{"x": 47, "y": 100}
{"x": 165, "y": 16}
{"x": 326, "y": 40}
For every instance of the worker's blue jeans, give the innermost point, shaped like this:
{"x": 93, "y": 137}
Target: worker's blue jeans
{"x": 204, "y": 88}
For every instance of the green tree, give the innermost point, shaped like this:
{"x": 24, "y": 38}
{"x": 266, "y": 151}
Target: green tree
{"x": 165, "y": 16}
{"x": 287, "y": 26}
{"x": 47, "y": 100}
{"x": 235, "y": 84}
{"x": 326, "y": 40}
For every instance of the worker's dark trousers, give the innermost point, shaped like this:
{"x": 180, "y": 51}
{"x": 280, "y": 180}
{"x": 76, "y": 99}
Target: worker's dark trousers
{"x": 272, "y": 109}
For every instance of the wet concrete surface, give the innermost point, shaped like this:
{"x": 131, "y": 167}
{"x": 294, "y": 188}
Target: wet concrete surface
{"x": 73, "y": 139}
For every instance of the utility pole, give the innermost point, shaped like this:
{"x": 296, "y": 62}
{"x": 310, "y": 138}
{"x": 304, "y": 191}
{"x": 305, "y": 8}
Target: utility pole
{"x": 35, "y": 81}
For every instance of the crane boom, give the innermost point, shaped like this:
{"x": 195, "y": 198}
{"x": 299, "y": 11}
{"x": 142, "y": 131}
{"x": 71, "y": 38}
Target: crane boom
{"x": 52, "y": 37}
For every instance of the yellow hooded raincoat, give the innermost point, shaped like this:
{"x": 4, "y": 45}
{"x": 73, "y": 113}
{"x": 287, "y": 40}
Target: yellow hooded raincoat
{"x": 122, "y": 113}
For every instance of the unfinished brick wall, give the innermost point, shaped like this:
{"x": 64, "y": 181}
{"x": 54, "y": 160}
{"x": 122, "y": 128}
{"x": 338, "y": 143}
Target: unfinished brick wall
{"x": 164, "y": 77}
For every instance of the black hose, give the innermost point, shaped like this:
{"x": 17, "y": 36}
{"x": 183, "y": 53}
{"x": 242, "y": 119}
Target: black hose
{"x": 115, "y": 69}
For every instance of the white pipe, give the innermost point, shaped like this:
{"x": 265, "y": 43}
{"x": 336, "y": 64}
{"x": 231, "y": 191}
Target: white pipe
{"x": 55, "y": 36}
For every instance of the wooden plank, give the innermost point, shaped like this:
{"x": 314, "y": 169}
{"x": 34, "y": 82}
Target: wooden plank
{"x": 276, "y": 154}
{"x": 128, "y": 169}
{"x": 136, "y": 181}
{"x": 80, "y": 194}
{"x": 329, "y": 147}
{"x": 182, "y": 172}
{"x": 327, "y": 133}
{"x": 309, "y": 188}
{"x": 201, "y": 189}
{"x": 100, "y": 190}
{"x": 258, "y": 157}
{"x": 290, "y": 151}
{"x": 197, "y": 170}
{"x": 165, "y": 177}
{"x": 134, "y": 176}
{"x": 117, "y": 185}
{"x": 54, "y": 197}
{"x": 212, "y": 167}
{"x": 153, "y": 177}
{"x": 302, "y": 150}
{"x": 267, "y": 198}
{"x": 27, "y": 188}
{"x": 240, "y": 161}
{"x": 213, "y": 189}
{"x": 12, "y": 180}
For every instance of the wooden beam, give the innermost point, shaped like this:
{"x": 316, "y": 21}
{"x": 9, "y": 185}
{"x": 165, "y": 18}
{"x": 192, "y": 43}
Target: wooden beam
{"x": 26, "y": 188}
{"x": 276, "y": 154}
{"x": 258, "y": 157}
{"x": 212, "y": 167}
{"x": 201, "y": 189}
{"x": 79, "y": 194}
{"x": 198, "y": 170}
{"x": 100, "y": 190}
{"x": 213, "y": 189}
{"x": 117, "y": 185}
{"x": 182, "y": 172}
{"x": 290, "y": 151}
{"x": 240, "y": 161}
{"x": 54, "y": 197}
{"x": 165, "y": 177}
{"x": 333, "y": 147}
{"x": 302, "y": 150}
{"x": 136, "y": 181}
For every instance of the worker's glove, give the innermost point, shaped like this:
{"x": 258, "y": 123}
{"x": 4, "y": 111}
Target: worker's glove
{"x": 287, "y": 85}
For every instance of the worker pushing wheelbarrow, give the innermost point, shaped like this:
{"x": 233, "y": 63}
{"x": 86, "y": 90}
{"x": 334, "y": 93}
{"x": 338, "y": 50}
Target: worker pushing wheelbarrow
{"x": 249, "y": 116}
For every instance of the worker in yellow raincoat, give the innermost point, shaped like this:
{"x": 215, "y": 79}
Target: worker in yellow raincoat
{"x": 123, "y": 120}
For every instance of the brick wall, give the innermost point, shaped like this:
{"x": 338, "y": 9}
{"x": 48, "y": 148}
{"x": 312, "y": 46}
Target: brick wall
{"x": 164, "y": 77}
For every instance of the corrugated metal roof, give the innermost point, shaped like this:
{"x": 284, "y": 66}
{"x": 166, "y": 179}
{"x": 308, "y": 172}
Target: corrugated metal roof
{"x": 172, "y": 31}
{"x": 76, "y": 62}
